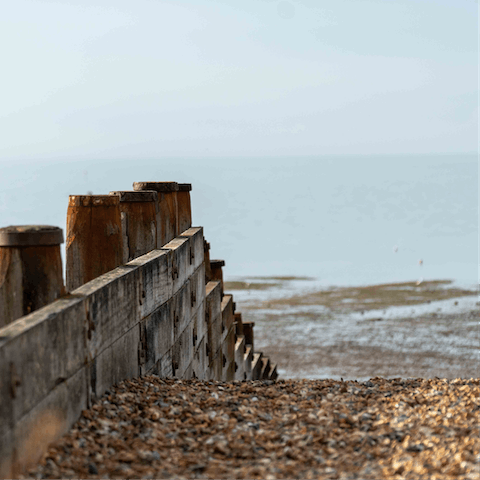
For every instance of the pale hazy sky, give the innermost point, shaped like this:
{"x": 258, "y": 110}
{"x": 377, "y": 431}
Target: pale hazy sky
{"x": 139, "y": 79}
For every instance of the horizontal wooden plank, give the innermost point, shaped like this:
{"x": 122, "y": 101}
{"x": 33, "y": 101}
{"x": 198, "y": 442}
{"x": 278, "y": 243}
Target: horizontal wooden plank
{"x": 44, "y": 424}
{"x": 200, "y": 361}
{"x": 182, "y": 352}
{"x": 37, "y": 352}
{"x": 179, "y": 249}
{"x": 156, "y": 285}
{"x": 116, "y": 363}
{"x": 158, "y": 334}
{"x": 112, "y": 306}
{"x": 196, "y": 251}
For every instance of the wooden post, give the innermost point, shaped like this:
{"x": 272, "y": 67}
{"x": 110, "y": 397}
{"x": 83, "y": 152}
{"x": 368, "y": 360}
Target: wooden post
{"x": 238, "y": 325}
{"x": 206, "y": 256}
{"x": 184, "y": 207}
{"x": 94, "y": 237}
{"x": 138, "y": 212}
{"x": 30, "y": 269}
{"x": 167, "y": 217}
{"x": 216, "y": 268}
{"x": 248, "y": 332}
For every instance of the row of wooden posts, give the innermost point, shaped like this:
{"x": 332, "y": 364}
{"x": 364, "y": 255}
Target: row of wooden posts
{"x": 103, "y": 232}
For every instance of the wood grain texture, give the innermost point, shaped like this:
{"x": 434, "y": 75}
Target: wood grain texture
{"x": 94, "y": 238}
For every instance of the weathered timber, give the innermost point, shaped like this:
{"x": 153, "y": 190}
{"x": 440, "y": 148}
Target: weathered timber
{"x": 184, "y": 207}
{"x": 214, "y": 318}
{"x": 265, "y": 370}
{"x": 94, "y": 237}
{"x": 248, "y": 332}
{"x": 138, "y": 212}
{"x": 238, "y": 324}
{"x": 216, "y": 269}
{"x": 208, "y": 270}
{"x": 167, "y": 215}
{"x": 240, "y": 373}
{"x": 248, "y": 358}
{"x": 30, "y": 269}
{"x": 257, "y": 365}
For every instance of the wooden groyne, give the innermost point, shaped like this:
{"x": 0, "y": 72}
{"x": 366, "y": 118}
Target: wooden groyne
{"x": 141, "y": 297}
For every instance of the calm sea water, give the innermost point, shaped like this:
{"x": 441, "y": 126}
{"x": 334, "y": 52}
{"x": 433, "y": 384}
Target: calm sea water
{"x": 344, "y": 220}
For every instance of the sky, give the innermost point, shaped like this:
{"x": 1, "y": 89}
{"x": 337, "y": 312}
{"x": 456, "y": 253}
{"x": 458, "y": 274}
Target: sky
{"x": 145, "y": 79}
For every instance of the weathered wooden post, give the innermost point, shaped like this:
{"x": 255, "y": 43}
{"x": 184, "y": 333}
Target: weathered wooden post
{"x": 138, "y": 211}
{"x": 217, "y": 274}
{"x": 30, "y": 269}
{"x": 248, "y": 332}
{"x": 94, "y": 237}
{"x": 206, "y": 256}
{"x": 167, "y": 216}
{"x": 184, "y": 207}
{"x": 238, "y": 325}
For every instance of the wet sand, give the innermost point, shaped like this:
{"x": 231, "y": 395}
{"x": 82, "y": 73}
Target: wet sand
{"x": 391, "y": 330}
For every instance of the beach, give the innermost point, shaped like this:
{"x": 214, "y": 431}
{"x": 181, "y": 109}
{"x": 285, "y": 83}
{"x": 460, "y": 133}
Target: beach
{"x": 430, "y": 329}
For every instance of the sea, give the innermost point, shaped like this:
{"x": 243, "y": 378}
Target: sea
{"x": 342, "y": 220}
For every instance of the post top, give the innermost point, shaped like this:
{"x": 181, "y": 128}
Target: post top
{"x": 184, "y": 187}
{"x": 133, "y": 196}
{"x": 93, "y": 200}
{"x": 164, "y": 187}
{"x": 30, "y": 235}
{"x": 217, "y": 263}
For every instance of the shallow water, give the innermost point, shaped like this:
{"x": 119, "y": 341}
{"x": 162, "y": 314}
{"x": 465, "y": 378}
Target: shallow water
{"x": 440, "y": 338}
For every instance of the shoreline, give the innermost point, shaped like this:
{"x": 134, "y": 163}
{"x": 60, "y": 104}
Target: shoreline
{"x": 356, "y": 333}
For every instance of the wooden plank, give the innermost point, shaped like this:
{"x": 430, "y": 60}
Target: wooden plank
{"x": 116, "y": 363}
{"x": 187, "y": 301}
{"x": 44, "y": 424}
{"x": 273, "y": 374}
{"x": 248, "y": 359}
{"x": 196, "y": 246}
{"x": 200, "y": 323}
{"x": 240, "y": 359}
{"x": 248, "y": 332}
{"x": 227, "y": 315}
{"x": 112, "y": 306}
{"x": 156, "y": 285}
{"x": 213, "y": 317}
{"x": 158, "y": 334}
{"x": 37, "y": 352}
{"x": 197, "y": 287}
{"x": 265, "y": 370}
{"x": 257, "y": 366}
{"x": 182, "y": 310}
{"x": 228, "y": 345}
{"x": 180, "y": 251}
{"x": 165, "y": 365}
{"x": 182, "y": 352}
{"x": 200, "y": 361}
{"x": 228, "y": 373}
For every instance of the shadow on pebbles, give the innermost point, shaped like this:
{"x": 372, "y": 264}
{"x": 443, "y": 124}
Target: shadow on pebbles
{"x": 326, "y": 429}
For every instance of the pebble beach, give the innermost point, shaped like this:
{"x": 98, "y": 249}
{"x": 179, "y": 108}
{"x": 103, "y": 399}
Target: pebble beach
{"x": 409, "y": 411}
{"x": 322, "y": 429}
